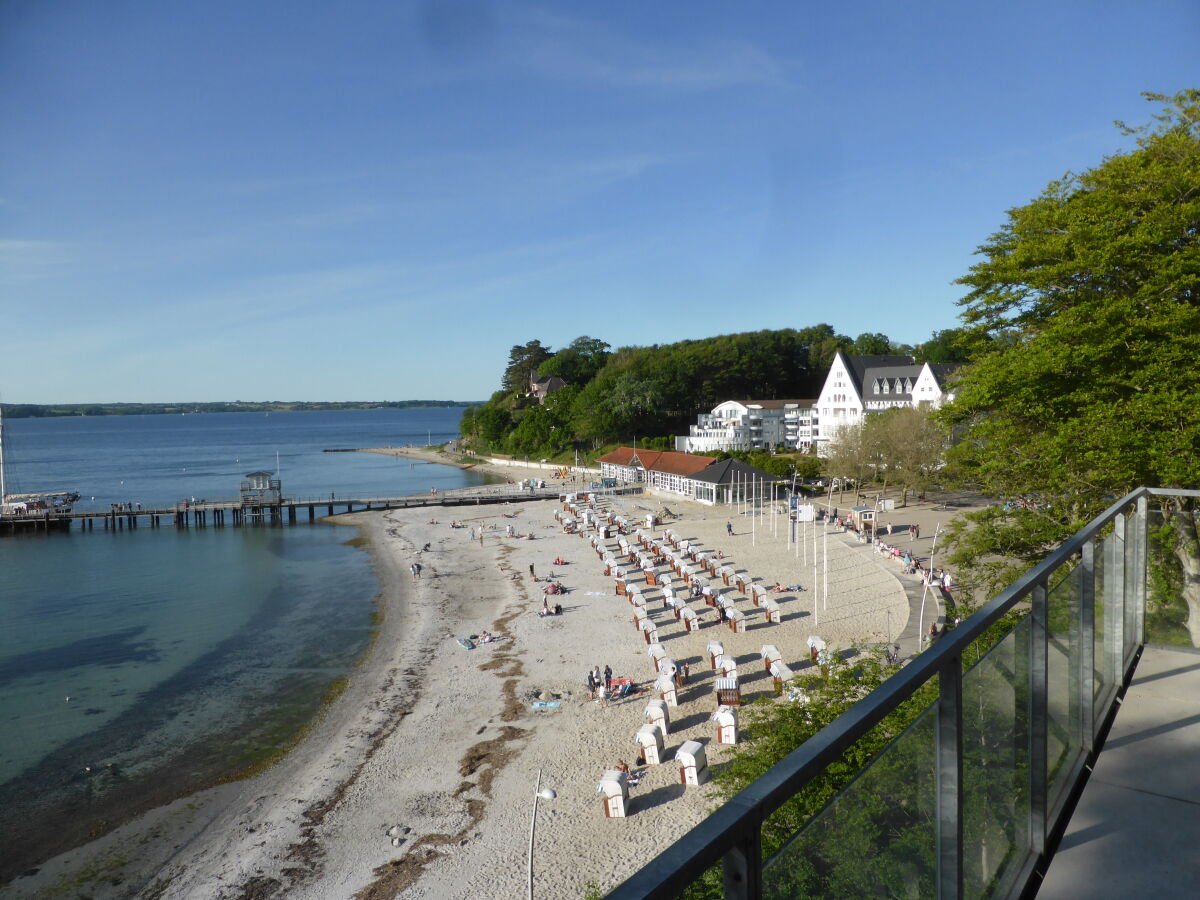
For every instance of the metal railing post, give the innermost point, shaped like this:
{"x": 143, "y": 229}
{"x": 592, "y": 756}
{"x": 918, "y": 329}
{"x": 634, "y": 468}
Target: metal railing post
{"x": 743, "y": 867}
{"x": 1087, "y": 645}
{"x": 1039, "y": 711}
{"x": 1141, "y": 539}
{"x": 1114, "y": 604}
{"x": 950, "y": 780}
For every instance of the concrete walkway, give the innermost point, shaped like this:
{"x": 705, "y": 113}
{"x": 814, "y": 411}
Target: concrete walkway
{"x": 1136, "y": 829}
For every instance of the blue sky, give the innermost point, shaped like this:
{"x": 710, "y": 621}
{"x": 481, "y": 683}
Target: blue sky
{"x": 369, "y": 200}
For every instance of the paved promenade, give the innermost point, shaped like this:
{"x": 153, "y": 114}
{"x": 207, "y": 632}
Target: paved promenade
{"x": 1136, "y": 830}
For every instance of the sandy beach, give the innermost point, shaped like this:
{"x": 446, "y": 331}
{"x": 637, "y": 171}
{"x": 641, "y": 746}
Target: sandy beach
{"x": 419, "y": 781}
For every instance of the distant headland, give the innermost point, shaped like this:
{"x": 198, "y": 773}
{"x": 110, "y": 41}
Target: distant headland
{"x": 48, "y": 410}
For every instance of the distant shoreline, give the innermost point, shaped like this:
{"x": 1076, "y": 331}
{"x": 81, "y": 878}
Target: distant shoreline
{"x": 61, "y": 410}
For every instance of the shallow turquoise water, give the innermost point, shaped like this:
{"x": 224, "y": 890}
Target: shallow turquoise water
{"x": 183, "y": 652}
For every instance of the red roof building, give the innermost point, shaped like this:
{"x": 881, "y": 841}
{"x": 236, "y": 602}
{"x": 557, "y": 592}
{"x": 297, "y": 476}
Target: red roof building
{"x": 666, "y": 470}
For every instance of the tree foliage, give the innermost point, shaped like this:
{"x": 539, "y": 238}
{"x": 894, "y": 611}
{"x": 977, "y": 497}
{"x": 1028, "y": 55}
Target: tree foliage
{"x": 904, "y": 445}
{"x": 523, "y": 363}
{"x": 1090, "y": 298}
{"x": 889, "y": 827}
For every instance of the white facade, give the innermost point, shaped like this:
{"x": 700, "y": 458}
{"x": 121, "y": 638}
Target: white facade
{"x": 840, "y": 402}
{"x": 751, "y": 425}
{"x": 857, "y": 385}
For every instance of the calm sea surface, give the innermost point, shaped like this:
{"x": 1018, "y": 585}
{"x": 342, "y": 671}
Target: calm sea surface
{"x": 186, "y": 655}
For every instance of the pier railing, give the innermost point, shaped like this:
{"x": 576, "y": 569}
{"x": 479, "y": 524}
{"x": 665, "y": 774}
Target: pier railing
{"x": 971, "y": 799}
{"x": 235, "y": 510}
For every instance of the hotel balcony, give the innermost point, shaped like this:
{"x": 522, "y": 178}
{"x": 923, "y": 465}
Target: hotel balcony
{"x": 1060, "y": 758}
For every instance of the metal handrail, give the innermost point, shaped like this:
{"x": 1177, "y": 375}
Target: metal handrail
{"x": 732, "y": 831}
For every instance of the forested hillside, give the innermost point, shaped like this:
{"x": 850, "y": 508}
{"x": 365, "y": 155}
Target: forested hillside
{"x": 648, "y": 394}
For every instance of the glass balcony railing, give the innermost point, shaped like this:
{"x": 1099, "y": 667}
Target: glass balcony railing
{"x": 967, "y": 801}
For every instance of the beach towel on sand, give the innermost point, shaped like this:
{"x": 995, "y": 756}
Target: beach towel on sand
{"x": 466, "y": 643}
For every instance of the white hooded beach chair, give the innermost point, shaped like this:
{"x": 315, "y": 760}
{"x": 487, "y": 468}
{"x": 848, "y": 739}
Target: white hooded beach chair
{"x": 656, "y": 714}
{"x": 726, "y": 719}
{"x": 614, "y": 790}
{"x": 693, "y": 767}
{"x": 715, "y": 651}
{"x": 665, "y": 686}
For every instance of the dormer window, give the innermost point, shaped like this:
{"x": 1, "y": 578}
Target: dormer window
{"x": 886, "y": 386}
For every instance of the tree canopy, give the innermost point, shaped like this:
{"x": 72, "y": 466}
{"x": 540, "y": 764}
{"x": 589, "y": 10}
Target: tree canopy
{"x": 1089, "y": 299}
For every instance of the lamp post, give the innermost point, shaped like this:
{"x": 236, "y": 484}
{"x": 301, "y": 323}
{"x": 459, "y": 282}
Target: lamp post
{"x": 542, "y": 794}
{"x": 925, "y": 591}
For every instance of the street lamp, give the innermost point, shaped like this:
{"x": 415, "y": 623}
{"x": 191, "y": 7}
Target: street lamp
{"x": 542, "y": 794}
{"x": 928, "y": 582}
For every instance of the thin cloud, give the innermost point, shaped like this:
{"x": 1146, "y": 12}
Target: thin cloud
{"x": 26, "y": 260}
{"x": 585, "y": 51}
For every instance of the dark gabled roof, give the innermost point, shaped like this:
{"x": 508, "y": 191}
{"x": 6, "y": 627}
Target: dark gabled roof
{"x": 858, "y": 366}
{"x": 893, "y": 377}
{"x": 943, "y": 371}
{"x": 253, "y": 474}
{"x": 723, "y": 472}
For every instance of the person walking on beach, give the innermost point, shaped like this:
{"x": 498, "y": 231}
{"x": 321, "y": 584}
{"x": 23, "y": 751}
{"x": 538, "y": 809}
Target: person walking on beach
{"x": 415, "y": 568}
{"x": 608, "y": 676}
{"x": 729, "y": 528}
{"x": 591, "y": 685}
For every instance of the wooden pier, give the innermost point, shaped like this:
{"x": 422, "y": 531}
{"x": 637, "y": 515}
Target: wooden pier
{"x": 236, "y": 512}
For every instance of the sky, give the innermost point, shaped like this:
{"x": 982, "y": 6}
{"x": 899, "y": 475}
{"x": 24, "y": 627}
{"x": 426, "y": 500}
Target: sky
{"x": 377, "y": 200}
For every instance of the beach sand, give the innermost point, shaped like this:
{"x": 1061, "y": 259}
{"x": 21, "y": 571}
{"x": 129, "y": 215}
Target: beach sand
{"x": 442, "y": 741}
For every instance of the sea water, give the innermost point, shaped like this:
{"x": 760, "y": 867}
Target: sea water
{"x": 140, "y": 664}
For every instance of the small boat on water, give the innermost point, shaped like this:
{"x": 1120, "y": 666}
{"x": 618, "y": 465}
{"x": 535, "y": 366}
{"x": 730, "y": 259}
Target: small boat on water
{"x": 28, "y": 512}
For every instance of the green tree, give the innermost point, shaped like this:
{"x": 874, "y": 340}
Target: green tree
{"x": 523, "y": 362}
{"x": 1090, "y": 295}
{"x": 868, "y": 344}
{"x": 885, "y": 826}
{"x": 915, "y": 444}
{"x": 578, "y": 362}
{"x": 950, "y": 345}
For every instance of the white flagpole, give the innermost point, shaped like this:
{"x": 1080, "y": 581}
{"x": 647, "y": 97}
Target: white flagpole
{"x": 825, "y": 572}
{"x": 754, "y": 512}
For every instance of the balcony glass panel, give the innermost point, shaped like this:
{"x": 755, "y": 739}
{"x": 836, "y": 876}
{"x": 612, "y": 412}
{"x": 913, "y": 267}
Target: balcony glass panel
{"x": 1110, "y": 588}
{"x": 1133, "y": 541}
{"x": 1063, "y": 745}
{"x": 1166, "y": 609}
{"x": 877, "y": 837}
{"x": 996, "y": 766}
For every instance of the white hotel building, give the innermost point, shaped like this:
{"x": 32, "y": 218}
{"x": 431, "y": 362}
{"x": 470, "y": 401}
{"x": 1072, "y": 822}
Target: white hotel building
{"x": 752, "y": 425}
{"x": 857, "y": 385}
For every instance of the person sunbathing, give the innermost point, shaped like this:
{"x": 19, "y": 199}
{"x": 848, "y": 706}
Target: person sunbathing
{"x": 778, "y": 589}
{"x": 623, "y": 766}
